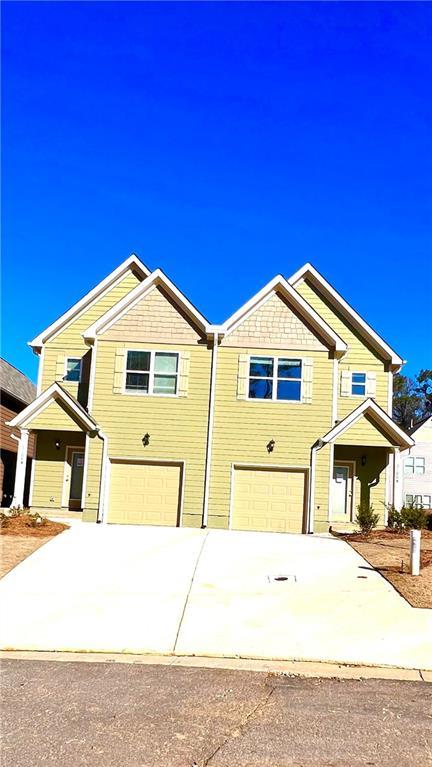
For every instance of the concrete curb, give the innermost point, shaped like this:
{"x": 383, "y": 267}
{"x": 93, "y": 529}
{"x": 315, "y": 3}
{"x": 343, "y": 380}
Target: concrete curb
{"x": 283, "y": 667}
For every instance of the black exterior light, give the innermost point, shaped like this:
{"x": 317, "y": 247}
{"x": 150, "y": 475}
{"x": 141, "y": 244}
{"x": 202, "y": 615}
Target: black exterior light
{"x": 363, "y": 460}
{"x": 270, "y": 446}
{"x": 146, "y": 439}
{"x": 57, "y": 444}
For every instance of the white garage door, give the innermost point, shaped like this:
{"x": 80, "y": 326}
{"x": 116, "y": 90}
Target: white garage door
{"x": 144, "y": 493}
{"x": 270, "y": 500}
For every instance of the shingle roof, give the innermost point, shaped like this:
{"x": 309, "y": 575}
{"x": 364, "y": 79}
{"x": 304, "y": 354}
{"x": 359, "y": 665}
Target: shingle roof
{"x": 417, "y": 425}
{"x": 16, "y": 383}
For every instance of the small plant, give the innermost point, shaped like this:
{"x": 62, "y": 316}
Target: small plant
{"x": 394, "y": 518}
{"x": 4, "y": 519}
{"x": 366, "y": 518}
{"x": 36, "y": 520}
{"x": 17, "y": 511}
{"x": 413, "y": 518}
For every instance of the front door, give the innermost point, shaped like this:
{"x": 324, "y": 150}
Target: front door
{"x": 342, "y": 490}
{"x": 76, "y": 459}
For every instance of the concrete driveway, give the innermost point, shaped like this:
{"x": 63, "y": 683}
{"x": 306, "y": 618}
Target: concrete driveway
{"x": 195, "y": 592}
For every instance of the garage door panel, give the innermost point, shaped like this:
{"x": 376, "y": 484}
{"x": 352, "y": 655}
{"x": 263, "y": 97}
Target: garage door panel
{"x": 268, "y": 500}
{"x": 146, "y": 494}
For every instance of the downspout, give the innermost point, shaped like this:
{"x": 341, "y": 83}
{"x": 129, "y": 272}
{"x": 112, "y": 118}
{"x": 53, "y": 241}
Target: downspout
{"x": 210, "y": 429}
{"x": 101, "y": 513}
{"x": 311, "y": 506}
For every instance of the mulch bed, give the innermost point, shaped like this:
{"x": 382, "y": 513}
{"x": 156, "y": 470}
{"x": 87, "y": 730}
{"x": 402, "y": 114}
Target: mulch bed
{"x": 388, "y": 552}
{"x": 23, "y": 525}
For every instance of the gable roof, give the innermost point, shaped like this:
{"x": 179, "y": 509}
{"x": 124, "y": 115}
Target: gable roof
{"x": 378, "y": 415}
{"x": 416, "y": 426}
{"x": 15, "y": 383}
{"x": 133, "y": 263}
{"x": 155, "y": 279}
{"x": 280, "y": 285}
{"x": 53, "y": 393}
{"x": 309, "y": 272}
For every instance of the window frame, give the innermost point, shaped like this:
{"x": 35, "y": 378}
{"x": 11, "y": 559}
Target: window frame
{"x": 419, "y": 504}
{"x": 151, "y": 374}
{"x": 75, "y": 359}
{"x": 414, "y": 459}
{"x": 275, "y": 379}
{"x": 358, "y": 373}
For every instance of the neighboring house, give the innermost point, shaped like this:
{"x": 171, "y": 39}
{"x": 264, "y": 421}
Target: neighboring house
{"x": 417, "y": 466}
{"x": 277, "y": 420}
{"x": 16, "y": 392}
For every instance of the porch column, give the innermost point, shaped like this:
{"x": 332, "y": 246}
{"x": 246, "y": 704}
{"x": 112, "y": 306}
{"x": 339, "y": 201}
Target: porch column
{"x": 397, "y": 480}
{"x": 21, "y": 464}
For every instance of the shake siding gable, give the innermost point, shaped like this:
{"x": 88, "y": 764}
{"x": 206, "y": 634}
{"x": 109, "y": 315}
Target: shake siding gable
{"x": 274, "y": 325}
{"x": 360, "y": 357}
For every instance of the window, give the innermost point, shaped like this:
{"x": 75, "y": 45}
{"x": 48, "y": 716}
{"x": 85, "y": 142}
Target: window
{"x": 414, "y": 465}
{"x": 275, "y": 378}
{"x": 152, "y": 372}
{"x": 419, "y": 501}
{"x": 358, "y": 384}
{"x": 73, "y": 369}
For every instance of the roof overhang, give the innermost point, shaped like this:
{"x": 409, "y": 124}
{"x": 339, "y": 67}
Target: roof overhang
{"x": 309, "y": 272}
{"x": 280, "y": 285}
{"x": 378, "y": 416}
{"x": 54, "y": 393}
{"x": 155, "y": 279}
{"x": 133, "y": 263}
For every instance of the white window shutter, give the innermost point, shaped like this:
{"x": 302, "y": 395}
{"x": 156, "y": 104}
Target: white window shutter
{"x": 307, "y": 380}
{"x": 242, "y": 376}
{"x": 345, "y": 388}
{"x": 119, "y": 370}
{"x": 370, "y": 384}
{"x": 183, "y": 376}
{"x": 60, "y": 367}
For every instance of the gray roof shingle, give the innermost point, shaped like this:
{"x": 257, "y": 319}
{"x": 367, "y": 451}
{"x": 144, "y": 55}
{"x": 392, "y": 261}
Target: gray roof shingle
{"x": 16, "y": 383}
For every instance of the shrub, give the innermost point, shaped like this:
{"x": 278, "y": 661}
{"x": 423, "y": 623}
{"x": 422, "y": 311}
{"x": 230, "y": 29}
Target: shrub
{"x": 394, "y": 518}
{"x": 413, "y": 518}
{"x": 366, "y": 517}
{"x": 36, "y": 520}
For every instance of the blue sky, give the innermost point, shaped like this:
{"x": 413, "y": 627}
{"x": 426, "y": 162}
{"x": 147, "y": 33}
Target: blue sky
{"x": 225, "y": 143}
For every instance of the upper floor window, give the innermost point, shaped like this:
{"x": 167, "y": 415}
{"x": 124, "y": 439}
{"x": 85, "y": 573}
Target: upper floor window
{"x": 152, "y": 372}
{"x": 419, "y": 501}
{"x": 72, "y": 369}
{"x": 275, "y": 378}
{"x": 414, "y": 465}
{"x": 358, "y": 384}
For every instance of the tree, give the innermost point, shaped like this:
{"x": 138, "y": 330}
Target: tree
{"x": 412, "y": 398}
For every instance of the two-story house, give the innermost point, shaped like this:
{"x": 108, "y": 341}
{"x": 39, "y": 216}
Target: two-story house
{"x": 417, "y": 466}
{"x": 279, "y": 419}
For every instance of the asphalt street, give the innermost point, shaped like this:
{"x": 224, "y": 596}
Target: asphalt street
{"x": 131, "y": 715}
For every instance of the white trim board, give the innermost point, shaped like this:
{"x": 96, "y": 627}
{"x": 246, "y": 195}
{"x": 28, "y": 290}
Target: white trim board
{"x": 309, "y": 271}
{"x": 132, "y": 262}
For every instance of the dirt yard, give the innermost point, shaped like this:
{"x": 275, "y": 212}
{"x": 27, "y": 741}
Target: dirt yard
{"x": 18, "y": 539}
{"x": 388, "y": 552}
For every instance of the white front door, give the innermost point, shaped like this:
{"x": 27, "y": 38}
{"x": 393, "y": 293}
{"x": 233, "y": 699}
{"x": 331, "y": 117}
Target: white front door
{"x": 342, "y": 492}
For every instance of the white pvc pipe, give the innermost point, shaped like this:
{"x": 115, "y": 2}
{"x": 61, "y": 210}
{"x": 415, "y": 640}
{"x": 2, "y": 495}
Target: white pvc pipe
{"x": 415, "y": 541}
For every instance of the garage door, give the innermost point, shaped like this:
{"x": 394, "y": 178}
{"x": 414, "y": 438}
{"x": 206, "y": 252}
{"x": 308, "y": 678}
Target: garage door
{"x": 269, "y": 500}
{"x": 144, "y": 493}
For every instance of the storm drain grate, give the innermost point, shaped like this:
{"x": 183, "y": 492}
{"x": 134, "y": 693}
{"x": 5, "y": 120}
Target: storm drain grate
{"x": 282, "y": 578}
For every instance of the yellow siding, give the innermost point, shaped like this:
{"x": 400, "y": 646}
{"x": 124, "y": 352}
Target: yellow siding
{"x": 364, "y": 432}
{"x": 70, "y": 343}
{"x": 243, "y": 428}
{"x": 177, "y": 425}
{"x": 54, "y": 417}
{"x": 359, "y": 357}
{"x": 49, "y": 467}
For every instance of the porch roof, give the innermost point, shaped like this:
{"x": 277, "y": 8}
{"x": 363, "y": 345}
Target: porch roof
{"x": 375, "y": 418}
{"x": 69, "y": 406}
